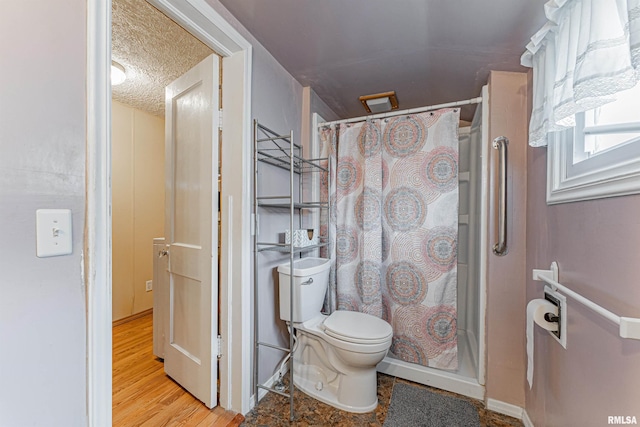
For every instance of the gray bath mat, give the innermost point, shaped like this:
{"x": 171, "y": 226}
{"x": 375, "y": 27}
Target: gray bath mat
{"x": 415, "y": 406}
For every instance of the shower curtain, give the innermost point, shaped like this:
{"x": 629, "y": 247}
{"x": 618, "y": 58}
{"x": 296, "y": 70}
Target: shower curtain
{"x": 394, "y": 228}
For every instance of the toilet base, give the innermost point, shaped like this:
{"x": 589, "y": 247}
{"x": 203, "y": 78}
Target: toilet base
{"x": 308, "y": 377}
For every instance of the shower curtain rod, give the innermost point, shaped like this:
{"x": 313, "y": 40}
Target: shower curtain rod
{"x": 400, "y": 113}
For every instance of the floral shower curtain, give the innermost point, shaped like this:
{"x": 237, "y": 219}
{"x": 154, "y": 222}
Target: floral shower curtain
{"x": 394, "y": 228}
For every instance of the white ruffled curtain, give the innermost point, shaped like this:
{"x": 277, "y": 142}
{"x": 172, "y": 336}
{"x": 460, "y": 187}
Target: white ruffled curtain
{"x": 588, "y": 51}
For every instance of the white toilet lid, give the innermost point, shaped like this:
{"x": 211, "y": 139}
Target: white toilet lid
{"x": 357, "y": 327}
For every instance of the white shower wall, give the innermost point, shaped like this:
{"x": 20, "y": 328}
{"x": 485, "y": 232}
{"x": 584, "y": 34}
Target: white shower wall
{"x": 469, "y": 247}
{"x": 467, "y": 296}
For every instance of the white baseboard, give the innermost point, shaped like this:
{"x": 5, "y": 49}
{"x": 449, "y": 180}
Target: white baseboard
{"x": 526, "y": 420}
{"x": 505, "y": 408}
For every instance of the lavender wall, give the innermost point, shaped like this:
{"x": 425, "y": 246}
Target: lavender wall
{"x": 597, "y": 246}
{"x": 42, "y": 165}
{"x": 276, "y": 103}
{"x": 505, "y": 311}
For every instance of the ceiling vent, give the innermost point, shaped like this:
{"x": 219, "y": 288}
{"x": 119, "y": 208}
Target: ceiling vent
{"x": 380, "y": 102}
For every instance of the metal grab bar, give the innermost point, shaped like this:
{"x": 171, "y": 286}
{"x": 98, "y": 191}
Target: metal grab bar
{"x": 500, "y": 248}
{"x": 629, "y": 327}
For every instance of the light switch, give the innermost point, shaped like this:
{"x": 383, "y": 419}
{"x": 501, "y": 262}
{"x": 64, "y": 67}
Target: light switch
{"x": 53, "y": 232}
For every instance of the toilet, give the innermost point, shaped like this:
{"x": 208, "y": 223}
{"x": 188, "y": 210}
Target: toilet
{"x": 335, "y": 357}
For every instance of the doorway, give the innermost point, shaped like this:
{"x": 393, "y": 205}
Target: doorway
{"x": 171, "y": 86}
{"x": 154, "y": 51}
{"x": 201, "y": 19}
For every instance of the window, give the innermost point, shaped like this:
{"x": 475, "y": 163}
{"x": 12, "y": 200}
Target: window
{"x": 600, "y": 156}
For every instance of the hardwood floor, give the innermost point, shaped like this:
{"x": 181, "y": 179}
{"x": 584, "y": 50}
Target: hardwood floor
{"x": 143, "y": 395}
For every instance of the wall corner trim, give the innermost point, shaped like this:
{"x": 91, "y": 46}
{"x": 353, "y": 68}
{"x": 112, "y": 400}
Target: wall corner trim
{"x": 506, "y": 409}
{"x": 526, "y": 420}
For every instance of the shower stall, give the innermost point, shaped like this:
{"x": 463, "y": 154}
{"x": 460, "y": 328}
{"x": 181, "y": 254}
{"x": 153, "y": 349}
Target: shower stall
{"x": 468, "y": 375}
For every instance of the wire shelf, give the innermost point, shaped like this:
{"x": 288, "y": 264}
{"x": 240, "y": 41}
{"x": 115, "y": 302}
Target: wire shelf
{"x": 310, "y": 205}
{"x": 285, "y": 248}
{"x": 273, "y": 149}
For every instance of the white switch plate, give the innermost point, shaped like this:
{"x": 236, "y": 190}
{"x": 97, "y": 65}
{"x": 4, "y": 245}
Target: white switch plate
{"x": 53, "y": 232}
{"x": 149, "y": 285}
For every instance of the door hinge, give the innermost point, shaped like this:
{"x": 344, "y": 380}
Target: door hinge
{"x": 219, "y": 346}
{"x": 219, "y": 119}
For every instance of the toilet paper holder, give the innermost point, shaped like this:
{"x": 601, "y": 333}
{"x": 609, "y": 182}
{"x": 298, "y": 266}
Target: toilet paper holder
{"x": 629, "y": 327}
{"x": 550, "y": 317}
{"x": 560, "y": 301}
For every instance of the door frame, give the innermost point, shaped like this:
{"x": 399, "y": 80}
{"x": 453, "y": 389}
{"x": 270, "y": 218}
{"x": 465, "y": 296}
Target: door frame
{"x": 201, "y": 20}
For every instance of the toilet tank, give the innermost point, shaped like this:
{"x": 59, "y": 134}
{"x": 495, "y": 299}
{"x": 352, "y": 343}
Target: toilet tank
{"x": 310, "y": 282}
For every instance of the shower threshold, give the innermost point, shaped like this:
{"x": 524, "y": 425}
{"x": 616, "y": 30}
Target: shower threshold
{"x": 463, "y": 381}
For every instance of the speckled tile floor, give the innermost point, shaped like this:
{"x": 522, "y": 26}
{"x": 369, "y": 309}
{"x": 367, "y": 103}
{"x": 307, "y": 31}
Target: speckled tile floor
{"x": 273, "y": 410}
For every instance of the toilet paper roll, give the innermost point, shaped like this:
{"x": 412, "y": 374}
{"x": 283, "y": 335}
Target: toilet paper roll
{"x": 536, "y": 309}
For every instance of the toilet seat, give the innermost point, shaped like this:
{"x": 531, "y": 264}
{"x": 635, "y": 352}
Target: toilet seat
{"x": 357, "y": 328}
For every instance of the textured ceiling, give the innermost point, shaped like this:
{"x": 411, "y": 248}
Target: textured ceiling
{"x": 428, "y": 51}
{"x": 154, "y": 51}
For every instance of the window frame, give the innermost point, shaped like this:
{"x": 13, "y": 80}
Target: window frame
{"x": 611, "y": 173}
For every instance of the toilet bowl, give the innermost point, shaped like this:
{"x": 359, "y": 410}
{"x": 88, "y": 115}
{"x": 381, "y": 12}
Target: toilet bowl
{"x": 336, "y": 356}
{"x": 340, "y": 370}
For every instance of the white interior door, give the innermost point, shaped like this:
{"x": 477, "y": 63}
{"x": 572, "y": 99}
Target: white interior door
{"x": 191, "y": 233}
